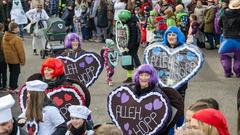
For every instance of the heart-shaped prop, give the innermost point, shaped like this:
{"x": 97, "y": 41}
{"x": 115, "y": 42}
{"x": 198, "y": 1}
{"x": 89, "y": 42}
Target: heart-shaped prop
{"x": 122, "y": 36}
{"x": 147, "y": 114}
{"x": 85, "y": 67}
{"x": 32, "y": 127}
{"x": 113, "y": 58}
{"x": 174, "y": 66}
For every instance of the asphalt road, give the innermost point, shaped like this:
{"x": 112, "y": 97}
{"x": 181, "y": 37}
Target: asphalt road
{"x": 209, "y": 82}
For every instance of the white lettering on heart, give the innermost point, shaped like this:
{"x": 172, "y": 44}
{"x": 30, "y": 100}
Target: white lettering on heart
{"x": 87, "y": 75}
{"x": 128, "y": 112}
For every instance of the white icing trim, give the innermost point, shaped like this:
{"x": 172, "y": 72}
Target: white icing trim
{"x": 124, "y": 88}
{"x": 172, "y": 51}
{"x": 85, "y": 54}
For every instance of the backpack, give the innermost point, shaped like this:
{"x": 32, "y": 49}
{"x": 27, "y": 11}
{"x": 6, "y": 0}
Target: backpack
{"x": 102, "y": 12}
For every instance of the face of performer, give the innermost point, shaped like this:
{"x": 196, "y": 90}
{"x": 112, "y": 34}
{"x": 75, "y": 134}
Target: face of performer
{"x": 77, "y": 122}
{"x": 189, "y": 115}
{"x": 194, "y": 124}
{"x": 144, "y": 80}
{"x": 75, "y": 44}
{"x": 48, "y": 73}
{"x": 6, "y": 127}
{"x": 172, "y": 39}
{"x": 39, "y": 8}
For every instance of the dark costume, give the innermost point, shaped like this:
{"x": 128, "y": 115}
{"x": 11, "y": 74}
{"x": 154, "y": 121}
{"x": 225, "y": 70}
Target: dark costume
{"x": 229, "y": 22}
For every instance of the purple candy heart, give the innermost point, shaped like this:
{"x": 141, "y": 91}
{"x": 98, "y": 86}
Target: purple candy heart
{"x": 129, "y": 132}
{"x": 157, "y": 104}
{"x": 82, "y": 64}
{"x": 148, "y": 106}
{"x": 89, "y": 60}
{"x": 119, "y": 94}
{"x": 126, "y": 126}
{"x": 124, "y": 98}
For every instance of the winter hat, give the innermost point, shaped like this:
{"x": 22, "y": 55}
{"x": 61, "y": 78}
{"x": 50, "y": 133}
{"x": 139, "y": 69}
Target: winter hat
{"x": 213, "y": 117}
{"x": 109, "y": 42}
{"x": 79, "y": 111}
{"x": 179, "y": 8}
{"x": 36, "y": 85}
{"x": 234, "y": 4}
{"x": 5, "y": 108}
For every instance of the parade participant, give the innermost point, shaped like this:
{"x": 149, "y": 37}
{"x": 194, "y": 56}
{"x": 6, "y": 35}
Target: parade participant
{"x": 78, "y": 123}
{"x": 38, "y": 17}
{"x": 52, "y": 71}
{"x": 18, "y": 9}
{"x": 42, "y": 112}
{"x": 145, "y": 80}
{"x": 210, "y": 121}
{"x": 73, "y": 44}
{"x": 174, "y": 38}
{"x": 229, "y": 22}
{"x": 3, "y": 65}
{"x": 106, "y": 51}
{"x": 14, "y": 54}
{"x": 170, "y": 17}
{"x": 8, "y": 125}
{"x": 130, "y": 20}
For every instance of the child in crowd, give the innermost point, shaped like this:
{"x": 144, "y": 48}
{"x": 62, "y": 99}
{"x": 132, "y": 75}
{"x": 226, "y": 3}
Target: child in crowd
{"x": 193, "y": 30}
{"x": 151, "y": 25}
{"x": 3, "y": 65}
{"x": 79, "y": 124}
{"x": 106, "y": 51}
{"x": 182, "y": 19}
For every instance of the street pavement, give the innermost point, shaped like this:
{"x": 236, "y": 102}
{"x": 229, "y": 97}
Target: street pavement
{"x": 209, "y": 82}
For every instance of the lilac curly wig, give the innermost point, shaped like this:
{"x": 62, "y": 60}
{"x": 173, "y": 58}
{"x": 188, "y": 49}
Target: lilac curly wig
{"x": 71, "y": 37}
{"x": 146, "y": 68}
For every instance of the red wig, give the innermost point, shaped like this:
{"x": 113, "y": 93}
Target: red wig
{"x": 55, "y": 64}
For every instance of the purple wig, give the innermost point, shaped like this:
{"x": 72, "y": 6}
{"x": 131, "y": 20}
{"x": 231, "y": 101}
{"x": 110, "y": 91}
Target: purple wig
{"x": 146, "y": 68}
{"x": 70, "y": 38}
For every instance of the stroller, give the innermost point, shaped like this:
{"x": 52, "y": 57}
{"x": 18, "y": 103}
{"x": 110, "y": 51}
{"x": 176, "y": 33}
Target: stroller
{"x": 55, "y": 31}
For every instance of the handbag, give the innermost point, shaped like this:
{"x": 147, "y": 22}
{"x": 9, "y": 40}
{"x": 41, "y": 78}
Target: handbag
{"x": 126, "y": 60}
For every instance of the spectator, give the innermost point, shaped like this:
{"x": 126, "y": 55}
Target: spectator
{"x": 209, "y": 23}
{"x": 68, "y": 17}
{"x": 8, "y": 125}
{"x": 3, "y": 65}
{"x": 18, "y": 9}
{"x": 14, "y": 54}
{"x": 193, "y": 30}
{"x": 5, "y": 13}
{"x": 38, "y": 17}
{"x": 170, "y": 17}
{"x": 210, "y": 121}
